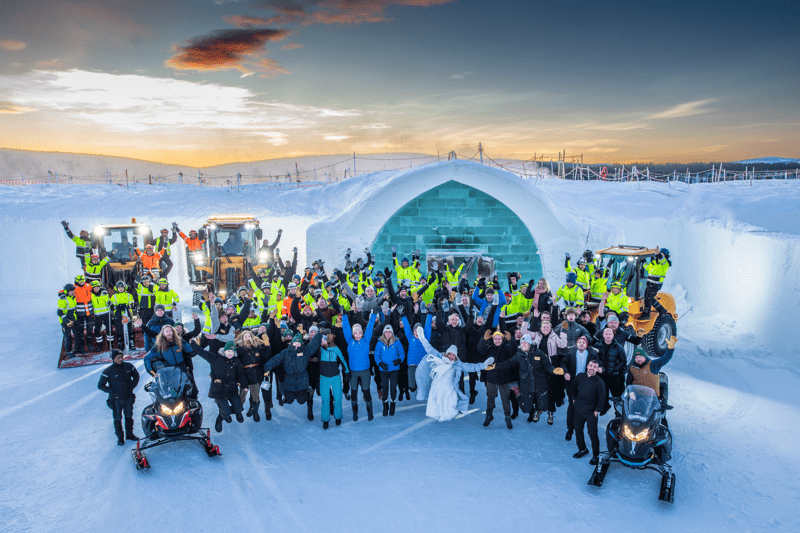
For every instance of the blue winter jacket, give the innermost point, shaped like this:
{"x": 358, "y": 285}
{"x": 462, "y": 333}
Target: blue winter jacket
{"x": 358, "y": 351}
{"x": 386, "y": 353}
{"x": 170, "y": 357}
{"x": 416, "y": 351}
{"x": 484, "y": 305}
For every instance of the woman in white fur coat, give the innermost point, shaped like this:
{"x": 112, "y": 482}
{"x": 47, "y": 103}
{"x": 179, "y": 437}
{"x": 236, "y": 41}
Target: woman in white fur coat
{"x": 437, "y": 380}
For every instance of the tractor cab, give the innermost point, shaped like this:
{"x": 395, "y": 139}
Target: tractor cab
{"x": 626, "y": 265}
{"x": 118, "y": 242}
{"x": 230, "y": 249}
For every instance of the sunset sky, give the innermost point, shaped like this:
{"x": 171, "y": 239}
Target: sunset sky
{"x": 204, "y": 82}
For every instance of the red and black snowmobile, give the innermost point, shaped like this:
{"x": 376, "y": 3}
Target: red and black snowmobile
{"x": 172, "y": 416}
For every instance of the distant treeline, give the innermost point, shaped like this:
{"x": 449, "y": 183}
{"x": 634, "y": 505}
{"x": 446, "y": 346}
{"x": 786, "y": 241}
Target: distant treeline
{"x": 669, "y": 168}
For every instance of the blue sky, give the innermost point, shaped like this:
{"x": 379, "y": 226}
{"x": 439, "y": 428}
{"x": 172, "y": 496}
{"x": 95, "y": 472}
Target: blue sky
{"x": 205, "y": 82}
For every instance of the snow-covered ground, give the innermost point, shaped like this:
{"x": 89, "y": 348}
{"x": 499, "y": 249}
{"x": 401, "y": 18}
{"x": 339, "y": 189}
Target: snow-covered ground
{"x": 735, "y": 424}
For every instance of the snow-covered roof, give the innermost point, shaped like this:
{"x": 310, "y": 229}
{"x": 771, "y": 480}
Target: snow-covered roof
{"x": 385, "y": 193}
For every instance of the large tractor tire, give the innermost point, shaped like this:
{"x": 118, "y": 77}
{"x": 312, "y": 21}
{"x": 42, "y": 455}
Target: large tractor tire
{"x": 197, "y": 298}
{"x": 655, "y": 342}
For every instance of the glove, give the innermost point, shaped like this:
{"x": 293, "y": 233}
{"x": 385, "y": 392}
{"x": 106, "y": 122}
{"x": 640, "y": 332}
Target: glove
{"x": 565, "y": 325}
{"x": 174, "y": 225}
{"x": 671, "y": 342}
{"x": 420, "y": 332}
{"x": 507, "y": 335}
{"x": 394, "y": 250}
{"x": 387, "y": 273}
{"x": 400, "y": 310}
{"x": 641, "y": 333}
{"x": 416, "y": 252}
{"x": 558, "y": 371}
{"x": 277, "y": 251}
{"x": 489, "y": 361}
{"x": 383, "y": 366}
{"x": 65, "y": 224}
{"x": 487, "y": 335}
{"x": 366, "y": 251}
{"x": 434, "y": 266}
{"x": 567, "y": 256}
{"x": 495, "y": 299}
{"x": 396, "y": 362}
{"x": 280, "y": 231}
{"x": 347, "y": 252}
{"x": 385, "y": 307}
{"x": 294, "y": 249}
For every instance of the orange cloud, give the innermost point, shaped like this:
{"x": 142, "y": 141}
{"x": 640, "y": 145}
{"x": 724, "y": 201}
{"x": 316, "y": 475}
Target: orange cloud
{"x": 12, "y": 45}
{"x": 339, "y": 11}
{"x": 241, "y": 50}
{"x": 11, "y": 109}
{"x": 245, "y": 21}
{"x": 291, "y": 46}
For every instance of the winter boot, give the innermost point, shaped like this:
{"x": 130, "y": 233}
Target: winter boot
{"x": 550, "y": 418}
{"x": 594, "y": 460}
{"x": 370, "y": 416}
{"x": 400, "y": 395}
{"x": 530, "y": 416}
{"x": 568, "y": 436}
{"x": 408, "y": 395}
{"x": 489, "y": 419}
{"x": 311, "y": 409}
{"x": 509, "y": 425}
{"x": 131, "y": 436}
{"x": 218, "y": 424}
{"x": 385, "y": 408}
{"x": 254, "y": 406}
{"x": 515, "y": 412}
{"x": 338, "y": 421}
{"x": 250, "y": 409}
{"x": 536, "y": 415}
{"x": 120, "y": 441}
{"x": 391, "y": 409}
{"x": 239, "y": 417}
{"x": 129, "y": 430}
{"x": 267, "y": 411}
{"x": 324, "y": 425}
{"x": 581, "y": 453}
{"x": 472, "y": 395}
{"x": 355, "y": 412}
{"x": 228, "y": 419}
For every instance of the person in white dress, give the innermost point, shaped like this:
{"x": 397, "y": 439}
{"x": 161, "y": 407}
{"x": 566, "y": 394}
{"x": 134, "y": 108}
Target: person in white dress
{"x": 437, "y": 380}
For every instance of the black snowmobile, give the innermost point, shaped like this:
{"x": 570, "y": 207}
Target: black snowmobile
{"x": 639, "y": 438}
{"x": 172, "y": 416}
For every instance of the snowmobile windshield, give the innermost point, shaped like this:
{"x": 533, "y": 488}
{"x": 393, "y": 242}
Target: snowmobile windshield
{"x": 640, "y": 402}
{"x": 169, "y": 383}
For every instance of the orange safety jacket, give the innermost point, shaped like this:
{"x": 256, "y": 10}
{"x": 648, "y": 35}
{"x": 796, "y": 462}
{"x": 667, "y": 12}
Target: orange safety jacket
{"x": 193, "y": 244}
{"x": 150, "y": 261}
{"x": 83, "y": 298}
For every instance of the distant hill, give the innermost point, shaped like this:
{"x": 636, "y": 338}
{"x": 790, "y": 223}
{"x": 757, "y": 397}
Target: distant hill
{"x": 767, "y": 161}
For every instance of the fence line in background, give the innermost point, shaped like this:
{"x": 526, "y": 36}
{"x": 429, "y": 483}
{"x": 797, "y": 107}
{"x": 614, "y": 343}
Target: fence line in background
{"x": 535, "y": 167}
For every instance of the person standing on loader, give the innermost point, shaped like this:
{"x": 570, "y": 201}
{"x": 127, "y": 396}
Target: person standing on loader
{"x": 83, "y": 243}
{"x": 656, "y": 269}
{"x": 66, "y": 317}
{"x": 151, "y": 260}
{"x": 162, "y": 244}
{"x": 193, "y": 245}
{"x": 94, "y": 267}
{"x": 119, "y": 380}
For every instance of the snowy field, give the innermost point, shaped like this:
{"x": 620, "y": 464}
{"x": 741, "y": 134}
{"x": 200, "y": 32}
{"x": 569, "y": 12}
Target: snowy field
{"x": 735, "y": 422}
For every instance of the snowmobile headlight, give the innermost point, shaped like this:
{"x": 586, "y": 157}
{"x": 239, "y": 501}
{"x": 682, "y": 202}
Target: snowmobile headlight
{"x": 177, "y": 410}
{"x": 626, "y": 431}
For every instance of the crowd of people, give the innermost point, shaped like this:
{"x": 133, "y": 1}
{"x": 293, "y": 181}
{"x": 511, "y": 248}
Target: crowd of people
{"x": 292, "y": 336}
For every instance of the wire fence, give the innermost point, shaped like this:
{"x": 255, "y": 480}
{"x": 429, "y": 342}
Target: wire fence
{"x": 535, "y": 167}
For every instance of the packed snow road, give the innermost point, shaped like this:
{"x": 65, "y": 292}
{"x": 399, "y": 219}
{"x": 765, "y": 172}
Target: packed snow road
{"x": 735, "y": 432}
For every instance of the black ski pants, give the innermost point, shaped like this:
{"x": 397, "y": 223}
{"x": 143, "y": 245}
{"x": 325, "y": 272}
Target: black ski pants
{"x": 584, "y": 418}
{"x": 122, "y": 408}
{"x": 389, "y": 384}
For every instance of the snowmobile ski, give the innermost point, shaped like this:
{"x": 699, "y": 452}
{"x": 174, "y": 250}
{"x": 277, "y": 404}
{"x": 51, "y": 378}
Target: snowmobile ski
{"x": 600, "y": 471}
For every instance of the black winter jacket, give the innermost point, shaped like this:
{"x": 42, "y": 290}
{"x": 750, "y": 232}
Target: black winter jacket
{"x": 612, "y": 357}
{"x": 119, "y": 381}
{"x": 533, "y": 369}
{"x": 227, "y": 375}
{"x": 570, "y": 361}
{"x": 253, "y": 360}
{"x": 294, "y": 363}
{"x": 589, "y": 393}
{"x": 500, "y": 353}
